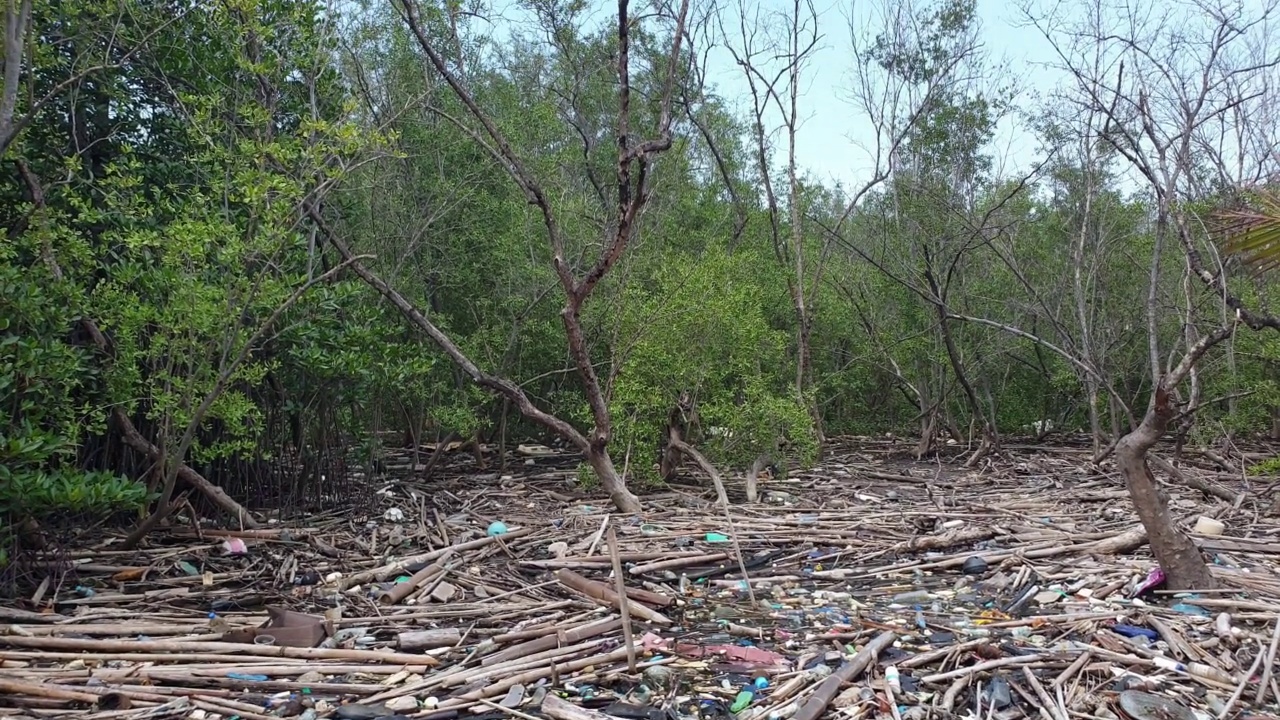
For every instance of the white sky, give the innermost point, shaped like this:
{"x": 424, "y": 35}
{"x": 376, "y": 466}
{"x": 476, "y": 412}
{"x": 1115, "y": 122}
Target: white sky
{"x": 834, "y": 143}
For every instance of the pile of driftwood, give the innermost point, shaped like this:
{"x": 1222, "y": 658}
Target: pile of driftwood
{"x": 863, "y": 588}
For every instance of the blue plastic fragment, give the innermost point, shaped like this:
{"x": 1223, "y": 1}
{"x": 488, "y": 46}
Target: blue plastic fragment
{"x": 1135, "y": 631}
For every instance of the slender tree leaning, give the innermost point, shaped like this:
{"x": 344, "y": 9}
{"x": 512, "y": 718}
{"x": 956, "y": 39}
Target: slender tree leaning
{"x": 634, "y": 187}
{"x": 1151, "y": 110}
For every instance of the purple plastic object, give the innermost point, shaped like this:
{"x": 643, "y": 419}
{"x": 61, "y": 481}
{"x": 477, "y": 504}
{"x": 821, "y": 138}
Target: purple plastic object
{"x": 1153, "y": 581}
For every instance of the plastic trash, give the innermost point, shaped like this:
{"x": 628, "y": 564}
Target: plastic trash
{"x": 1209, "y": 526}
{"x": 1154, "y": 580}
{"x": 912, "y": 597}
{"x": 657, "y": 676}
{"x": 1147, "y": 706}
{"x": 356, "y": 711}
{"x": 1188, "y": 609}
{"x": 497, "y": 527}
{"x": 997, "y": 693}
{"x": 1132, "y": 631}
{"x": 1200, "y": 669}
{"x": 515, "y": 695}
{"x": 893, "y": 679}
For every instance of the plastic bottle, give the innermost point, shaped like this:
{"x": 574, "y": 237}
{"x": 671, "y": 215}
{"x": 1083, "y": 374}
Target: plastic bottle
{"x": 742, "y": 701}
{"x": 892, "y": 679}
{"x": 1200, "y": 669}
{"x": 912, "y": 597}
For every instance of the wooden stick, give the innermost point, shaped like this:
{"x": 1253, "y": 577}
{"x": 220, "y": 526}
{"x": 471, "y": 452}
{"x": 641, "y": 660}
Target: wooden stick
{"x": 126, "y": 648}
{"x": 1046, "y": 702}
{"x": 711, "y": 471}
{"x": 827, "y": 690}
{"x": 1244, "y": 683}
{"x": 44, "y": 691}
{"x": 980, "y": 667}
{"x": 1072, "y": 669}
{"x": 385, "y": 571}
{"x": 1271, "y": 662}
{"x": 668, "y": 564}
{"x": 628, "y": 636}
{"x": 526, "y": 678}
{"x": 602, "y": 594}
{"x": 949, "y": 697}
{"x": 556, "y": 637}
{"x": 400, "y": 591}
{"x": 557, "y": 709}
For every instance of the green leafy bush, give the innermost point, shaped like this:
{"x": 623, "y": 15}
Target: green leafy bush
{"x": 45, "y": 383}
{"x": 702, "y": 328}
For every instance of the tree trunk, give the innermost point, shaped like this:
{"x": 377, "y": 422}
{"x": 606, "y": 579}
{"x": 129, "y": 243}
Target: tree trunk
{"x": 975, "y": 408}
{"x": 1095, "y": 418}
{"x": 611, "y": 481}
{"x": 753, "y": 477}
{"x": 928, "y": 432}
{"x": 1180, "y": 559}
{"x": 216, "y": 494}
{"x": 804, "y": 374}
{"x": 677, "y": 429}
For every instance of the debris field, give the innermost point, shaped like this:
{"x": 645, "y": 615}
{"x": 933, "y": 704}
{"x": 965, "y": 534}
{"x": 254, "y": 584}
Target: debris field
{"x": 868, "y": 587}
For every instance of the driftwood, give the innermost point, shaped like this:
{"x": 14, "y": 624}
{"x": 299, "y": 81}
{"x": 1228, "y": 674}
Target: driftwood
{"x": 418, "y": 640}
{"x": 1200, "y": 484}
{"x": 538, "y": 606}
{"x": 822, "y": 696}
{"x": 557, "y": 709}
{"x": 723, "y": 497}
{"x": 608, "y": 597}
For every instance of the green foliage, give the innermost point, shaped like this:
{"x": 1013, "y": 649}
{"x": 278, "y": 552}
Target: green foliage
{"x": 1270, "y": 466}
{"x": 179, "y": 264}
{"x": 176, "y": 189}
{"x": 1253, "y": 233}
{"x": 41, "y": 375}
{"x": 701, "y": 327}
{"x": 586, "y": 477}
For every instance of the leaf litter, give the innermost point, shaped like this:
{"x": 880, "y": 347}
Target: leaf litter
{"x": 874, "y": 588}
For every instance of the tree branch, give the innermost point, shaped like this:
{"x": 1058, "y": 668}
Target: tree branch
{"x": 500, "y": 385}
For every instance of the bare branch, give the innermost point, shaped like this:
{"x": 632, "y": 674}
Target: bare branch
{"x": 515, "y": 167}
{"x": 501, "y": 385}
{"x": 15, "y": 30}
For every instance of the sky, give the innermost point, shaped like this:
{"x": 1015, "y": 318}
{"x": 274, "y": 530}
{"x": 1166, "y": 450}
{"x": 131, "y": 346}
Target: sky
{"x": 833, "y": 143}
{"x": 834, "y": 139}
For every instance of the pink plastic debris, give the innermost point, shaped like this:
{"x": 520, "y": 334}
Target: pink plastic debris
{"x": 1153, "y": 581}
